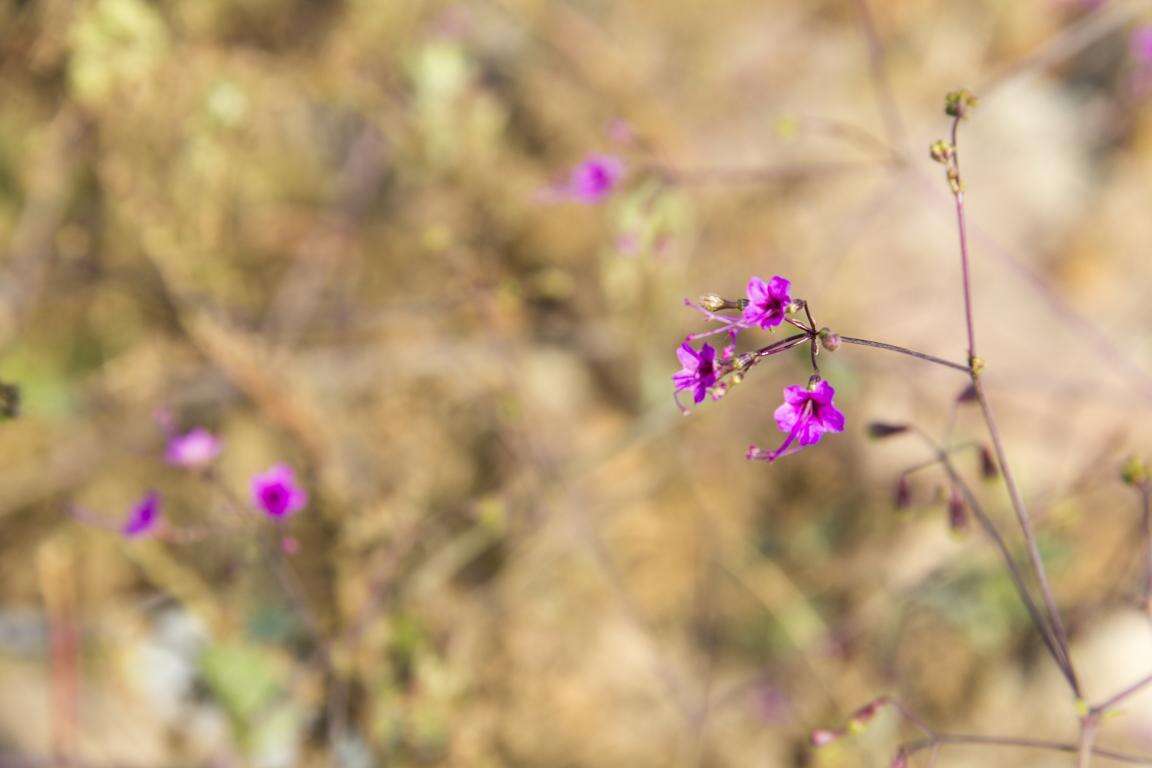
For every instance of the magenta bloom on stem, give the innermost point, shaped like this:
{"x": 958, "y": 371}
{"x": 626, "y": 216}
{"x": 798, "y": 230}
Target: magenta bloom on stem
{"x": 807, "y": 413}
{"x": 767, "y": 302}
{"x": 277, "y": 493}
{"x": 143, "y": 517}
{"x": 699, "y": 372}
{"x": 593, "y": 179}
{"x": 192, "y": 450}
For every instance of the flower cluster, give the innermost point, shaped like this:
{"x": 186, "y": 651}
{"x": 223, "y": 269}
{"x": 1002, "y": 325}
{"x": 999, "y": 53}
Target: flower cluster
{"x": 807, "y": 412}
{"x": 275, "y": 492}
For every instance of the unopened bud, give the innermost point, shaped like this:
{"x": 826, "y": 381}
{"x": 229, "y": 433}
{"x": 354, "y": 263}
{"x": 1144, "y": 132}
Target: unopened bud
{"x": 793, "y": 307}
{"x": 976, "y": 364}
{"x": 967, "y": 395}
{"x": 959, "y": 103}
{"x": 881, "y": 430}
{"x": 822, "y": 737}
{"x": 957, "y": 513}
{"x": 988, "y": 468}
{"x": 903, "y": 495}
{"x": 941, "y": 151}
{"x": 813, "y": 381}
{"x": 713, "y": 302}
{"x": 829, "y": 340}
{"x": 1134, "y": 472}
{"x": 862, "y": 717}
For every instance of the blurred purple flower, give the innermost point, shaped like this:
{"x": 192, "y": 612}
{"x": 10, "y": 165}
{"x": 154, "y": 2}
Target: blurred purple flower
{"x": 143, "y": 517}
{"x": 807, "y": 413}
{"x": 699, "y": 371}
{"x": 277, "y": 493}
{"x": 1141, "y": 44}
{"x": 192, "y": 450}
{"x": 767, "y": 302}
{"x": 592, "y": 180}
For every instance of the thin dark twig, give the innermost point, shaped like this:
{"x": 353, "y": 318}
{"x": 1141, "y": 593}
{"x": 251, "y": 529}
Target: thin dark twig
{"x": 1001, "y": 741}
{"x": 904, "y": 351}
{"x": 1128, "y": 692}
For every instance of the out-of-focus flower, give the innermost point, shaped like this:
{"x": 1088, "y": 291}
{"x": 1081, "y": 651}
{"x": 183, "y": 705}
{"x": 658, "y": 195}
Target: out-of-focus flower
{"x": 823, "y": 737}
{"x": 807, "y": 413}
{"x": 591, "y": 181}
{"x": 192, "y": 450}
{"x": 1141, "y": 45}
{"x": 699, "y": 371}
{"x": 276, "y": 492}
{"x": 767, "y": 302}
{"x": 143, "y": 517}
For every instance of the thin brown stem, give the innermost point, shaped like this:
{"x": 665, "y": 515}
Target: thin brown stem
{"x": 1014, "y": 573}
{"x": 950, "y": 739}
{"x": 1088, "y": 729}
{"x": 1022, "y": 516}
{"x": 1025, "y": 522}
{"x": 1117, "y": 698}
{"x": 905, "y": 351}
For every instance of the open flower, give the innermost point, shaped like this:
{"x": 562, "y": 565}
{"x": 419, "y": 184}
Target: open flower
{"x": 699, "y": 371}
{"x": 277, "y": 493}
{"x": 143, "y": 517}
{"x": 767, "y": 302}
{"x": 192, "y": 450}
{"x": 807, "y": 413}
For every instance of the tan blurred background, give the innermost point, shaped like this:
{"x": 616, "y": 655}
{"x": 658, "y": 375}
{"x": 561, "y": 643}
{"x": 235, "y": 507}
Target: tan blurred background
{"x": 315, "y": 228}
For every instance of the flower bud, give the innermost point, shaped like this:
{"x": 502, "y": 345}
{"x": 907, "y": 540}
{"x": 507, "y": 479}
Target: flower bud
{"x": 822, "y": 738}
{"x": 813, "y": 381}
{"x": 940, "y": 151}
{"x": 713, "y": 302}
{"x": 957, "y": 513}
{"x": 881, "y": 430}
{"x": 988, "y": 468}
{"x": 967, "y": 395}
{"x": 900, "y": 761}
{"x": 829, "y": 340}
{"x": 959, "y": 103}
{"x": 903, "y": 495}
{"x": 1134, "y": 472}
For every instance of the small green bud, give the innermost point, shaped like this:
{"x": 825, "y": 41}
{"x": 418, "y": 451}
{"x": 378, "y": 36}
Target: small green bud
{"x": 1134, "y": 472}
{"x": 959, "y": 103}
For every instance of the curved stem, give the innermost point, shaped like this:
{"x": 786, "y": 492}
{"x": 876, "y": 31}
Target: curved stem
{"x": 905, "y": 351}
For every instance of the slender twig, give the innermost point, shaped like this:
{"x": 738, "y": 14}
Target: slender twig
{"x": 1088, "y": 727}
{"x": 905, "y": 351}
{"x": 954, "y": 739}
{"x": 1017, "y": 577}
{"x": 1022, "y": 515}
{"x": 1117, "y": 698}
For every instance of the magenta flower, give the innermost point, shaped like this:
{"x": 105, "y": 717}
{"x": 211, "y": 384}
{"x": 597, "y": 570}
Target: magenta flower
{"x": 143, "y": 517}
{"x": 1141, "y": 43}
{"x": 592, "y": 180}
{"x": 277, "y": 493}
{"x": 807, "y": 413}
{"x": 699, "y": 371}
{"x": 192, "y": 450}
{"x": 767, "y": 302}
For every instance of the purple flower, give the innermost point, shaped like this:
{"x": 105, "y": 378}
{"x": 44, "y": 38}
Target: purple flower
{"x": 767, "y": 302}
{"x": 277, "y": 493}
{"x": 807, "y": 413}
{"x": 592, "y": 180}
{"x": 192, "y": 450}
{"x": 143, "y": 517}
{"x": 1141, "y": 43}
{"x": 699, "y": 372}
